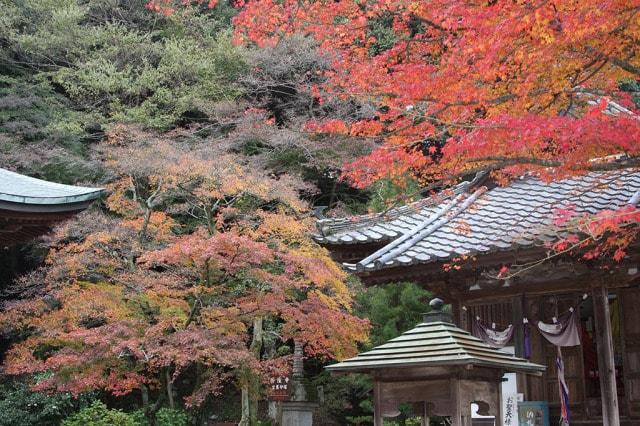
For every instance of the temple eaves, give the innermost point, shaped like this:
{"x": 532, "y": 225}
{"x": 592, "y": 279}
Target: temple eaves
{"x": 473, "y": 220}
{"x": 30, "y": 207}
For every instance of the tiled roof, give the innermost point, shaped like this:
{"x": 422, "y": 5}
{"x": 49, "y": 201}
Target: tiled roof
{"x": 435, "y": 344}
{"x": 20, "y": 189}
{"x": 476, "y": 220}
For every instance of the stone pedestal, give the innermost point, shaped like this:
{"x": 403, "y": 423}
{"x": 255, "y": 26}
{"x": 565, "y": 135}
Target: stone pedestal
{"x": 298, "y": 413}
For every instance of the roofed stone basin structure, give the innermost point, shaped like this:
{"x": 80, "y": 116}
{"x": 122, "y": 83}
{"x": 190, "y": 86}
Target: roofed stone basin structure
{"x": 437, "y": 367}
{"x": 29, "y": 207}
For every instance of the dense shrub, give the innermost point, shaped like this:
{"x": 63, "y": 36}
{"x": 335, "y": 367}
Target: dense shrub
{"x": 20, "y": 406}
{"x": 97, "y": 414}
{"x": 164, "y": 417}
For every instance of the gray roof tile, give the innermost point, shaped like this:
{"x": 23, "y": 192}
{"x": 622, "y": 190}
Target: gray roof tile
{"x": 520, "y": 214}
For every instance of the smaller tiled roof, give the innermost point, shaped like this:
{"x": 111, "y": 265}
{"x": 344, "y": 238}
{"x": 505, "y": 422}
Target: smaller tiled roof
{"x": 431, "y": 344}
{"x": 17, "y": 189}
{"x": 475, "y": 220}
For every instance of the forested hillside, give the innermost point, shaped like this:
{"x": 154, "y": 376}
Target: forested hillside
{"x": 183, "y": 290}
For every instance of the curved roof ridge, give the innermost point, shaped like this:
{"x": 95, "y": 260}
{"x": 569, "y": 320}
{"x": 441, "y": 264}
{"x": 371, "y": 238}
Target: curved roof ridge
{"x": 408, "y": 240}
{"x": 329, "y": 226}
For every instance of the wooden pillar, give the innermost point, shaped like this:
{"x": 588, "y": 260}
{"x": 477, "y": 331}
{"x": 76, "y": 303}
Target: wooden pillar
{"x": 499, "y": 413}
{"x": 425, "y": 414}
{"x": 606, "y": 367}
{"x": 455, "y": 312}
{"x": 518, "y": 304}
{"x": 460, "y": 314}
{"x": 377, "y": 404}
{"x": 455, "y": 397}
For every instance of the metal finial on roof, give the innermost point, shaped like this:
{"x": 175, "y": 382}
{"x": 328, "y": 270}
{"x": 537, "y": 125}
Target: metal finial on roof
{"x": 436, "y": 304}
{"x": 436, "y": 314}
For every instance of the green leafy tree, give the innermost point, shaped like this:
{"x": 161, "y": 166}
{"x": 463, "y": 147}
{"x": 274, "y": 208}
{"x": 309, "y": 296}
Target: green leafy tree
{"x": 392, "y": 309}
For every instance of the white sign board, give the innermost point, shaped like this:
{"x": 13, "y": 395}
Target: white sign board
{"x": 509, "y": 395}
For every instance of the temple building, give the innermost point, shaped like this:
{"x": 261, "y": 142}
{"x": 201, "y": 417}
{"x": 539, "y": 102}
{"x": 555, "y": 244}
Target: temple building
{"x": 30, "y": 207}
{"x": 577, "y": 317}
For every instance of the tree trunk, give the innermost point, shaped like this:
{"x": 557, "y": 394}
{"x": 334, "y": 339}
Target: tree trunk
{"x": 167, "y": 376}
{"x": 245, "y": 419}
{"x": 256, "y": 340}
{"x": 256, "y": 349}
{"x": 151, "y": 410}
{"x": 249, "y": 394}
{"x": 211, "y": 227}
{"x": 145, "y": 395}
{"x": 145, "y": 224}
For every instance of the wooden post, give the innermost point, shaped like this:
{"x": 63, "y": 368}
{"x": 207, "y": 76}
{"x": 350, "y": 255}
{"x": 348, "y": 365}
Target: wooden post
{"x": 456, "y": 412}
{"x": 377, "y": 404}
{"x": 425, "y": 414}
{"x": 455, "y": 311}
{"x": 518, "y": 303}
{"x": 461, "y": 315}
{"x": 606, "y": 367}
{"x": 499, "y": 413}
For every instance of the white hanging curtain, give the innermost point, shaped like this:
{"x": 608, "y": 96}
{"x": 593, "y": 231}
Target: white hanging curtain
{"x": 563, "y": 331}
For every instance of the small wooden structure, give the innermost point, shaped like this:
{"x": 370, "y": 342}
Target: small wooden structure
{"x": 30, "y": 207}
{"x": 438, "y": 368}
{"x": 455, "y": 243}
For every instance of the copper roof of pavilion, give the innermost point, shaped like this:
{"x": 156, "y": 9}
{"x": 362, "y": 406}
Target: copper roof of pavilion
{"x": 475, "y": 220}
{"x": 435, "y": 343}
{"x": 29, "y": 207}
{"x": 20, "y": 192}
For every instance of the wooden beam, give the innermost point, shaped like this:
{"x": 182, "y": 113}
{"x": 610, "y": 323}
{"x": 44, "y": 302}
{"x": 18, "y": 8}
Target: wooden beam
{"x": 377, "y": 403}
{"x": 428, "y": 274}
{"x": 575, "y": 284}
{"x": 606, "y": 367}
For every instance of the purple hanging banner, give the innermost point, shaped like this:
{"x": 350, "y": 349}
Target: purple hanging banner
{"x": 563, "y": 389}
{"x": 527, "y": 339}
